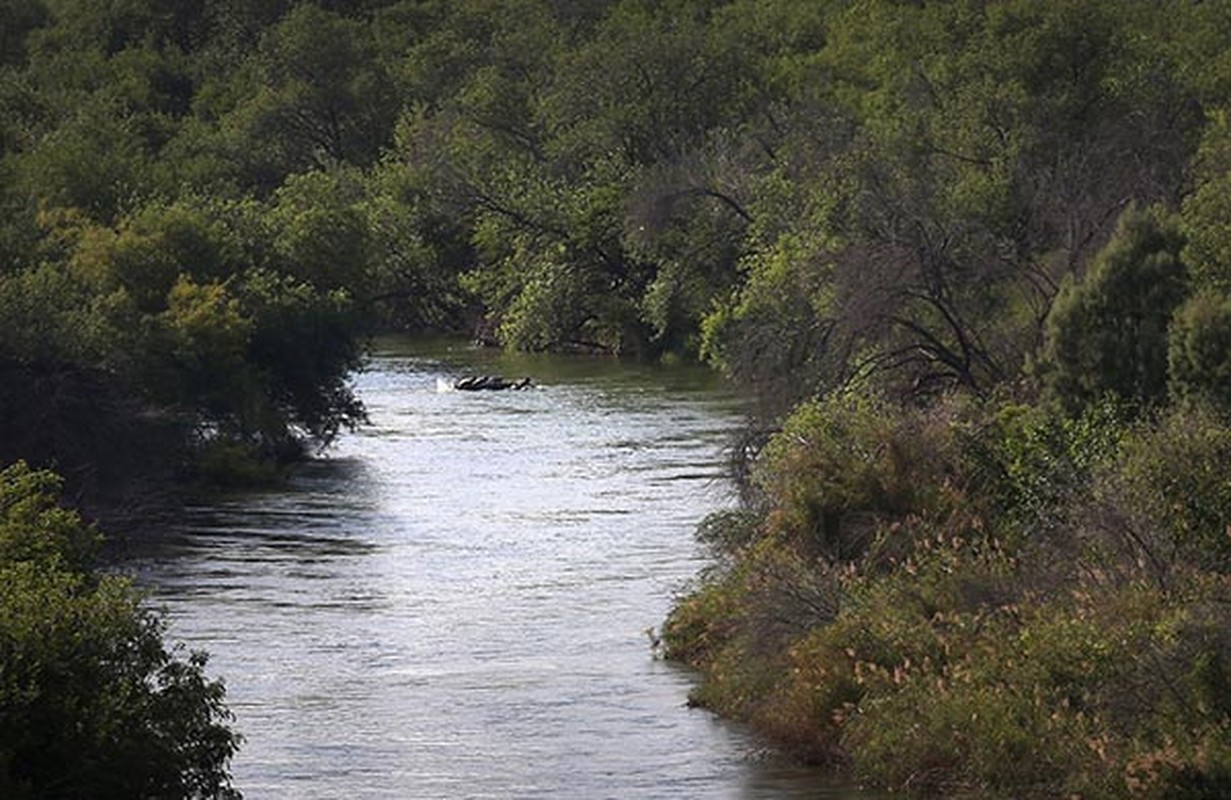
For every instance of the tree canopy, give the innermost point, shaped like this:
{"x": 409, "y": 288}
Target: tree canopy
{"x": 806, "y": 195}
{"x": 94, "y": 703}
{"x": 971, "y": 258}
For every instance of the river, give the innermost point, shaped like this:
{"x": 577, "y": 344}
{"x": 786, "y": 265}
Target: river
{"x": 454, "y": 601}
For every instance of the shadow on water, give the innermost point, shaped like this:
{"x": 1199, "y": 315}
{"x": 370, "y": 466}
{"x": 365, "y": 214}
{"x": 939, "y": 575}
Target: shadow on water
{"x": 454, "y": 603}
{"x": 314, "y": 516}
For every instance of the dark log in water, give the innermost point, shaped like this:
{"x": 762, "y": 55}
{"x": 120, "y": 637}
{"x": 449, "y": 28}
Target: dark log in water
{"x": 489, "y": 383}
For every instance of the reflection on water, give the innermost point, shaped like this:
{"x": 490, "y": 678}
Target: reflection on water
{"x": 455, "y": 603}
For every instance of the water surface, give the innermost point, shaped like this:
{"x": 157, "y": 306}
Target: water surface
{"x": 455, "y": 601}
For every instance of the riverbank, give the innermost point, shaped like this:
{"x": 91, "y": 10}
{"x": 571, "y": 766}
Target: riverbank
{"x": 979, "y": 600}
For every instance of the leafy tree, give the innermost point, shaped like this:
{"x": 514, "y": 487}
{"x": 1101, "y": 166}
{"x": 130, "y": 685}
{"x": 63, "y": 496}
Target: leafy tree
{"x": 312, "y": 96}
{"x": 55, "y": 314}
{"x": 1108, "y": 333}
{"x": 200, "y": 358}
{"x": 946, "y": 165}
{"x": 550, "y": 167}
{"x": 647, "y": 87}
{"x": 112, "y": 27}
{"x": 35, "y": 529}
{"x": 480, "y": 157}
{"x": 1199, "y": 350}
{"x": 304, "y": 345}
{"x": 94, "y": 702}
{"x": 1165, "y": 503}
{"x": 417, "y": 249}
{"x": 177, "y": 308}
{"x": 320, "y": 233}
{"x": 97, "y": 162}
{"x": 1205, "y": 210}
{"x": 18, "y": 17}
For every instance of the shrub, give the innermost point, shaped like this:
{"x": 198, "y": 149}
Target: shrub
{"x": 1060, "y": 696}
{"x": 738, "y": 624}
{"x": 34, "y": 529}
{"x": 964, "y": 602}
{"x": 843, "y": 467}
{"x": 1166, "y": 504}
{"x": 1108, "y": 333}
{"x": 92, "y": 702}
{"x": 1199, "y": 351}
{"x": 1029, "y": 465}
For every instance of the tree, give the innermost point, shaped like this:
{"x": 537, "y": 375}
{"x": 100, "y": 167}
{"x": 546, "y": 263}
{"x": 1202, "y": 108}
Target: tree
{"x": 936, "y": 170}
{"x": 579, "y": 152}
{"x": 181, "y": 309}
{"x": 97, "y": 161}
{"x": 320, "y": 232}
{"x": 418, "y": 249}
{"x": 1199, "y": 350}
{"x": 1107, "y": 334}
{"x": 312, "y": 96}
{"x": 94, "y": 702}
{"x": 1207, "y": 208}
{"x": 17, "y": 19}
{"x": 304, "y": 345}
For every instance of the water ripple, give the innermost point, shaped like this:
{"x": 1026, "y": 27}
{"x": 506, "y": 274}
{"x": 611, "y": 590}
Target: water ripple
{"x": 454, "y": 604}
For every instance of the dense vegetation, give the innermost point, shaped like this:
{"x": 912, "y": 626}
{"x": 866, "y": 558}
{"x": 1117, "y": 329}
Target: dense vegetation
{"x": 92, "y": 704}
{"x": 972, "y": 258}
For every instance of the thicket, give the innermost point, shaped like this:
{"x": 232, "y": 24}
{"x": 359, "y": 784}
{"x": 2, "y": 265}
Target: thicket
{"x": 971, "y": 259}
{"x": 980, "y": 599}
{"x": 92, "y": 702}
{"x": 210, "y": 204}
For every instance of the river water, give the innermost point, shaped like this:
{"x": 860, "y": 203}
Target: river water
{"x": 454, "y": 602}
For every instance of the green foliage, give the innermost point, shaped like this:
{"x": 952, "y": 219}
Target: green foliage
{"x": 312, "y": 96}
{"x": 94, "y": 702}
{"x": 67, "y": 311}
{"x": 647, "y": 86}
{"x": 1028, "y": 605}
{"x": 21, "y": 17}
{"x": 773, "y": 332}
{"x": 1166, "y": 502}
{"x": 742, "y": 627}
{"x": 95, "y": 161}
{"x": 37, "y": 530}
{"x": 304, "y": 344}
{"x": 174, "y": 307}
{"x": 698, "y": 629}
{"x": 1199, "y": 351}
{"x": 204, "y": 339}
{"x": 320, "y": 233}
{"x": 1208, "y": 251}
{"x": 1108, "y": 333}
{"x": 417, "y": 250}
{"x": 842, "y": 469}
{"x": 1034, "y": 701}
{"x": 1033, "y": 465}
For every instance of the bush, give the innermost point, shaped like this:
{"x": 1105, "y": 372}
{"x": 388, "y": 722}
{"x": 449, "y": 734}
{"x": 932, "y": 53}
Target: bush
{"x": 1199, "y": 351}
{"x": 980, "y": 601}
{"x": 1165, "y": 505}
{"x": 1029, "y": 464}
{"x": 33, "y": 529}
{"x": 1039, "y": 697}
{"x": 1108, "y": 333}
{"x": 844, "y": 467}
{"x": 92, "y": 702}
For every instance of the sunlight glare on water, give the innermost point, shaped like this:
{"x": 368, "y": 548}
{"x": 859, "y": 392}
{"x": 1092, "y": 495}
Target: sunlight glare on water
{"x": 455, "y": 602}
